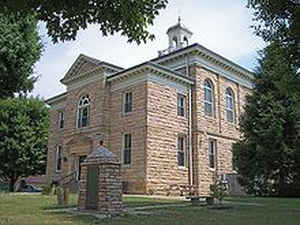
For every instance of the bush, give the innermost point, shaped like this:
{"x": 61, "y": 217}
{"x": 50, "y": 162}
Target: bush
{"x": 47, "y": 189}
{"x": 3, "y": 187}
{"x": 219, "y": 190}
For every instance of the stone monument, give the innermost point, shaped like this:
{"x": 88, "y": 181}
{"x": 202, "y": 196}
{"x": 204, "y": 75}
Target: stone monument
{"x": 100, "y": 185}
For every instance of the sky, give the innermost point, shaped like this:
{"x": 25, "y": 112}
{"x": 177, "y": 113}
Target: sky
{"x": 222, "y": 26}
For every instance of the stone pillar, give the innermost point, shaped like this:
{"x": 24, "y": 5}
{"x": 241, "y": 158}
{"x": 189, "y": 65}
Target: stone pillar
{"x": 106, "y": 167}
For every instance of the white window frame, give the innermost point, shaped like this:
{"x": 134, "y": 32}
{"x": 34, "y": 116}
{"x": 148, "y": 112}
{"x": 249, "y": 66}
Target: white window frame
{"x": 58, "y": 156}
{"x": 184, "y": 151}
{"x": 82, "y": 105}
{"x": 214, "y": 154}
{"x": 209, "y": 87}
{"x": 125, "y": 102}
{"x": 61, "y": 119}
{"x": 180, "y": 107}
{"x": 124, "y": 148}
{"x": 230, "y": 96}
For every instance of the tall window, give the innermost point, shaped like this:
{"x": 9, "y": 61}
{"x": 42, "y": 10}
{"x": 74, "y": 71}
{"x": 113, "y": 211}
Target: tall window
{"x": 127, "y": 149}
{"x": 212, "y": 153}
{"x": 61, "y": 119}
{"x": 181, "y": 151}
{"x": 230, "y": 106}
{"x": 208, "y": 98}
{"x": 83, "y": 113}
{"x": 58, "y": 157}
{"x": 127, "y": 101}
{"x": 181, "y": 102}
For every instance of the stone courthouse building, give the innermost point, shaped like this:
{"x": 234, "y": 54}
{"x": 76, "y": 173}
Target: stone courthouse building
{"x": 171, "y": 120}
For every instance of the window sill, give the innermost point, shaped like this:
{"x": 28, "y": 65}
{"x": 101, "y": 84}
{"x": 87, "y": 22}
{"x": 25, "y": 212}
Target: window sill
{"x": 126, "y": 166}
{"x": 212, "y": 169}
{"x": 127, "y": 113}
{"x": 210, "y": 118}
{"x": 232, "y": 124}
{"x": 182, "y": 117}
{"x": 182, "y": 167}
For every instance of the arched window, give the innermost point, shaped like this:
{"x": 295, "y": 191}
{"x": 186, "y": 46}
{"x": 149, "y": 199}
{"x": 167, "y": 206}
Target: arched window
{"x": 185, "y": 42}
{"x": 208, "y": 98}
{"x": 83, "y": 113}
{"x": 230, "y": 105}
{"x": 174, "y": 42}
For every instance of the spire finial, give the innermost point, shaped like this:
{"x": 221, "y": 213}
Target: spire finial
{"x": 179, "y": 19}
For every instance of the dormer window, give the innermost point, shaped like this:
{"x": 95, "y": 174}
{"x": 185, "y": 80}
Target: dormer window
{"x": 83, "y": 113}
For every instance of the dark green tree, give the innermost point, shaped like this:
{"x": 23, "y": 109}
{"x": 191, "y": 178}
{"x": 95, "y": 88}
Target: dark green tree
{"x": 64, "y": 18}
{"x": 268, "y": 155}
{"x": 23, "y": 140}
{"x": 278, "y": 20}
{"x": 20, "y": 49}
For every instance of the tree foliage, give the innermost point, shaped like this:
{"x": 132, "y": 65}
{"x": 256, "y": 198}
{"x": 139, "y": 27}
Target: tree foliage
{"x": 268, "y": 156}
{"x": 279, "y": 20}
{"x": 65, "y": 18}
{"x": 20, "y": 49}
{"x": 23, "y": 139}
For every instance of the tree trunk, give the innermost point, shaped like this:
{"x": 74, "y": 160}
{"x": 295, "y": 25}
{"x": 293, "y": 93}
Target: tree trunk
{"x": 12, "y": 182}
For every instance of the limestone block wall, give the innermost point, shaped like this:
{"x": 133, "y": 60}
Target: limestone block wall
{"x": 216, "y": 127}
{"x": 163, "y": 128}
{"x": 75, "y": 141}
{"x": 135, "y": 124}
{"x": 55, "y": 138}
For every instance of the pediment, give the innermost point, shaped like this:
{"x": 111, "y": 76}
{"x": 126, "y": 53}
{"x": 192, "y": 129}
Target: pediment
{"x": 82, "y": 65}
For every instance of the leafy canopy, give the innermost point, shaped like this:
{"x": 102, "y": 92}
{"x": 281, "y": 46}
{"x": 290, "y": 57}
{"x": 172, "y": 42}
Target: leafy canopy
{"x": 64, "y": 18}
{"x": 23, "y": 139}
{"x": 20, "y": 49}
{"x": 278, "y": 20}
{"x": 268, "y": 156}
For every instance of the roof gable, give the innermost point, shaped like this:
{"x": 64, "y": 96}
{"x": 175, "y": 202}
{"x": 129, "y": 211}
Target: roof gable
{"x": 82, "y": 64}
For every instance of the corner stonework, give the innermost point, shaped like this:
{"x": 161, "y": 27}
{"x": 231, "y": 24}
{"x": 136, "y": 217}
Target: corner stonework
{"x": 100, "y": 186}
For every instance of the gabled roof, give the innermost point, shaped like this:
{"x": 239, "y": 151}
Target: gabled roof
{"x": 154, "y": 67}
{"x": 84, "y": 64}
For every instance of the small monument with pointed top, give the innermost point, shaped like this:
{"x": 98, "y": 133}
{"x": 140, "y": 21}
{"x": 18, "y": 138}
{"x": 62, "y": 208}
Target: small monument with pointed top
{"x": 100, "y": 185}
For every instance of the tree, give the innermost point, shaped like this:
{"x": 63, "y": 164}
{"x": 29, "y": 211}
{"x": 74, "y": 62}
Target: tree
{"x": 20, "y": 49}
{"x": 268, "y": 155}
{"x": 23, "y": 139}
{"x": 65, "y": 18}
{"x": 279, "y": 20}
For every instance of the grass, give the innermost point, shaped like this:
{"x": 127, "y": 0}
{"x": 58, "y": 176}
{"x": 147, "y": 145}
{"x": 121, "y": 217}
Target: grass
{"x": 31, "y": 210}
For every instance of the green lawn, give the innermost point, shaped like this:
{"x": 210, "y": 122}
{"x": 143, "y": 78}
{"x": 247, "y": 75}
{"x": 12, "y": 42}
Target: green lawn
{"x": 31, "y": 210}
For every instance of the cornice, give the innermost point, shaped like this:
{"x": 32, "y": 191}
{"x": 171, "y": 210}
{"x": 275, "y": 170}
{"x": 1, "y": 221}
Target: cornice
{"x": 56, "y": 99}
{"x": 153, "y": 68}
{"x": 202, "y": 52}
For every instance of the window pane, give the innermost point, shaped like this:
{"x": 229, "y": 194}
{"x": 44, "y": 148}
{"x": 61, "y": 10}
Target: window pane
{"x": 208, "y": 95}
{"x": 127, "y": 148}
{"x": 128, "y": 102}
{"x": 211, "y": 161}
{"x": 208, "y": 109}
{"x": 181, "y": 105}
{"x": 127, "y": 156}
{"x": 58, "y": 158}
{"x": 180, "y": 158}
{"x": 229, "y": 116}
{"x": 211, "y": 153}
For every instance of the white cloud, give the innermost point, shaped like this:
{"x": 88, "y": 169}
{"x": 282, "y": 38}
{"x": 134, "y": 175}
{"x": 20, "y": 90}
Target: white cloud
{"x": 220, "y": 25}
